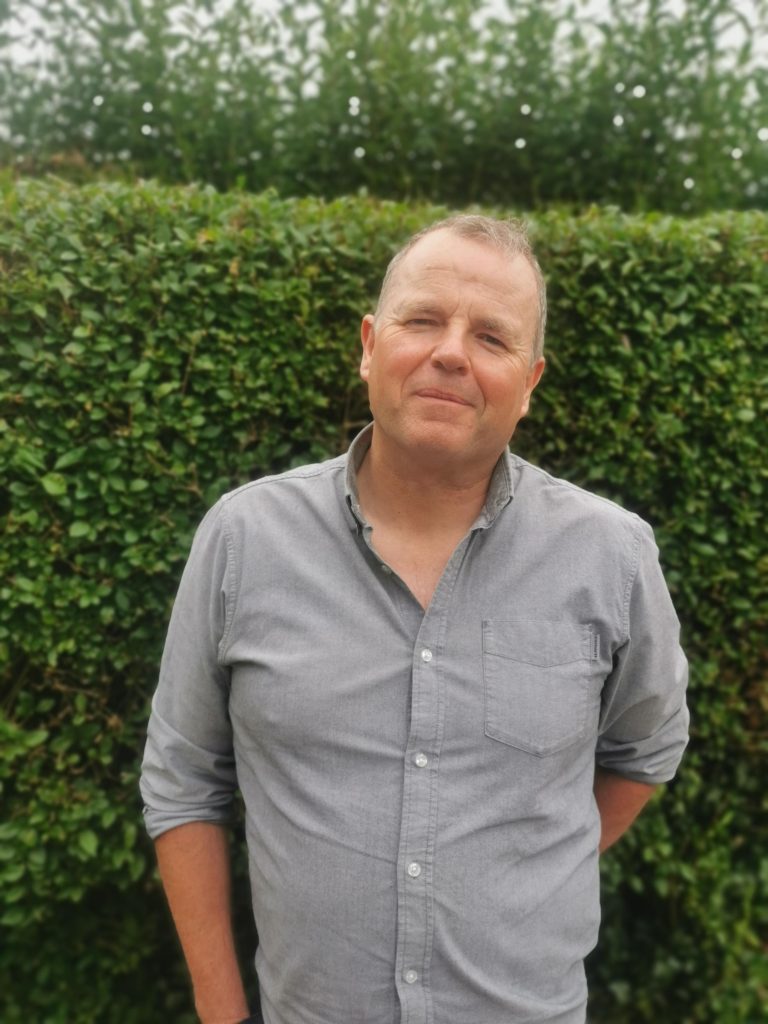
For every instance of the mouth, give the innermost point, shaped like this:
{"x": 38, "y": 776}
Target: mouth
{"x": 441, "y": 396}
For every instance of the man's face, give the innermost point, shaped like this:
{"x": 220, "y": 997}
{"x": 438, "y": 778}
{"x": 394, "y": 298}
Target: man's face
{"x": 449, "y": 362}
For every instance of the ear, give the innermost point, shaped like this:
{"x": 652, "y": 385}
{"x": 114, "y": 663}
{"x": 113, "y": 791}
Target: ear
{"x": 533, "y": 378}
{"x": 367, "y": 338}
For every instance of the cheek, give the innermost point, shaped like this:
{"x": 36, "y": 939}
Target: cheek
{"x": 395, "y": 366}
{"x": 507, "y": 398}
{"x": 383, "y": 384}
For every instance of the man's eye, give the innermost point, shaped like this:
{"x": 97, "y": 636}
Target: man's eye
{"x": 492, "y": 340}
{"x": 420, "y": 322}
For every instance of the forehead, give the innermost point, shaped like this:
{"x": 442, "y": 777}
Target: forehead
{"x": 444, "y": 261}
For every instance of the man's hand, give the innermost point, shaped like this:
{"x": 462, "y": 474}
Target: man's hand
{"x": 194, "y": 866}
{"x": 619, "y": 801}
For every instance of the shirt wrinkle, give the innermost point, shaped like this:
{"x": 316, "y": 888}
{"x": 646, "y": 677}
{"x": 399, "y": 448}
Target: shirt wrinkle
{"x": 631, "y": 581}
{"x": 232, "y": 578}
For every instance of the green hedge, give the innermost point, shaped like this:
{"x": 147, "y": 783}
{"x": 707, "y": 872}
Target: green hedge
{"x": 159, "y": 346}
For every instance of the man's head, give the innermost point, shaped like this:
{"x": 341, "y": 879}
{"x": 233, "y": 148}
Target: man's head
{"x": 452, "y": 354}
{"x": 507, "y": 236}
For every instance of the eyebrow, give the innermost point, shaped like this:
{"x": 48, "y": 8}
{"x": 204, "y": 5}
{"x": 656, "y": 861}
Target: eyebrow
{"x": 486, "y": 323}
{"x": 496, "y": 326}
{"x": 416, "y": 307}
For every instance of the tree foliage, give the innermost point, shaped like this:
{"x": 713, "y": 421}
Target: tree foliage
{"x": 161, "y": 345}
{"x": 651, "y": 105}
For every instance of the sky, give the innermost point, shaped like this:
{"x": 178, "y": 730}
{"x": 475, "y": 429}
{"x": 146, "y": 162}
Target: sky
{"x": 24, "y": 17}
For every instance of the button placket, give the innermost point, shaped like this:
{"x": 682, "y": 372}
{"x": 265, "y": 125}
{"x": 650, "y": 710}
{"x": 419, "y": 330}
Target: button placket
{"x": 415, "y": 885}
{"x": 420, "y": 807}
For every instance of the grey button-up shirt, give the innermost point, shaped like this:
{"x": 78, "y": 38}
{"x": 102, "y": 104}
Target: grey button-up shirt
{"x": 421, "y": 827}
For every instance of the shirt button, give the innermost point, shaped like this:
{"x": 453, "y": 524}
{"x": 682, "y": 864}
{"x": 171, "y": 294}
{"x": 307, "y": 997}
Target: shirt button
{"x": 385, "y": 569}
{"x": 414, "y": 869}
{"x": 426, "y": 654}
{"x": 421, "y": 760}
{"x": 410, "y": 977}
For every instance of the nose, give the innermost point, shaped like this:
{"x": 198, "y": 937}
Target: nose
{"x": 450, "y": 350}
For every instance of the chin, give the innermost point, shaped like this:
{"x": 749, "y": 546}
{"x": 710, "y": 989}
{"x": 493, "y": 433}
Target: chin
{"x": 439, "y": 439}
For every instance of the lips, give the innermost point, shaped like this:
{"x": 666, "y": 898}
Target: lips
{"x": 442, "y": 396}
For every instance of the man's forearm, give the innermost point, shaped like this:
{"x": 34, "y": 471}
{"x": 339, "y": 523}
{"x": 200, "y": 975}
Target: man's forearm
{"x": 619, "y": 801}
{"x": 194, "y": 866}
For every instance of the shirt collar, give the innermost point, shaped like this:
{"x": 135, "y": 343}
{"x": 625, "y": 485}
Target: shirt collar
{"x": 500, "y": 490}
{"x": 355, "y": 455}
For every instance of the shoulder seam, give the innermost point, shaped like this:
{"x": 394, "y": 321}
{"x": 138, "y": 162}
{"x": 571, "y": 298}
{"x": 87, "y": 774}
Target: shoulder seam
{"x": 558, "y": 481}
{"x": 299, "y": 473}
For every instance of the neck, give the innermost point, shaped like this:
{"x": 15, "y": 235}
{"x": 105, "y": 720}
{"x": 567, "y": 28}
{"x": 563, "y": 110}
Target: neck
{"x": 427, "y": 495}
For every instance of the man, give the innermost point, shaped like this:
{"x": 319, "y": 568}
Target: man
{"x": 411, "y": 659}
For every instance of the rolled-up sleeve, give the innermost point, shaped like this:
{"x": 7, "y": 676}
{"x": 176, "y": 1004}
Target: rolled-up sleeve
{"x": 188, "y": 771}
{"x": 644, "y": 717}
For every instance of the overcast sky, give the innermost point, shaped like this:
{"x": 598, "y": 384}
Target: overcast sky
{"x": 24, "y": 17}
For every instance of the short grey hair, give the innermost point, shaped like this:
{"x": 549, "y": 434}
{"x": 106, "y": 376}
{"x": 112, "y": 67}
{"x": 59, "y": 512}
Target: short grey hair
{"x": 508, "y": 236}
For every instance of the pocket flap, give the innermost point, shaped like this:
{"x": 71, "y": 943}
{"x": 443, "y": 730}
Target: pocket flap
{"x": 538, "y": 641}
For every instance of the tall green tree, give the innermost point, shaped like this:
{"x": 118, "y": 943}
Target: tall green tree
{"x": 649, "y": 105}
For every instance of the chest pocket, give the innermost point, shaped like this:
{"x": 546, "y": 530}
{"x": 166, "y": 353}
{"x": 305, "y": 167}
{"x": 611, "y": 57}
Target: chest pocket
{"x": 538, "y": 686}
